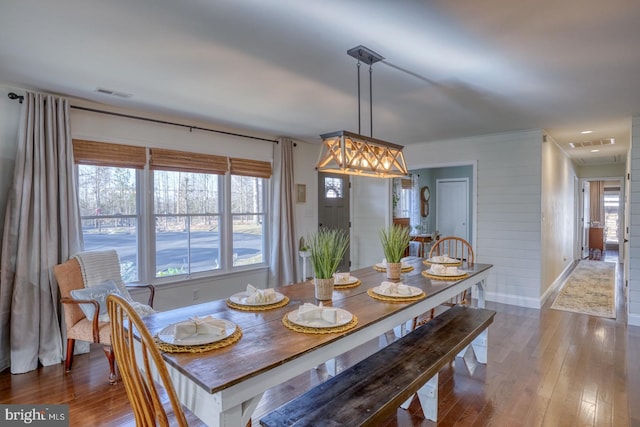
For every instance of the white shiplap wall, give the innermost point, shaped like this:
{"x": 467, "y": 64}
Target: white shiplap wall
{"x": 634, "y": 226}
{"x": 508, "y": 206}
{"x": 370, "y": 212}
{"x": 559, "y": 214}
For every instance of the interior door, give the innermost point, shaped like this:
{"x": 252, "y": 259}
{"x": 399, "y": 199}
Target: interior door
{"x": 333, "y": 207}
{"x": 452, "y": 207}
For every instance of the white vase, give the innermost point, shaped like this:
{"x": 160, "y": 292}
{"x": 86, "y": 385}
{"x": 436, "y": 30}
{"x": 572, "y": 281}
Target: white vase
{"x": 393, "y": 270}
{"x": 324, "y": 288}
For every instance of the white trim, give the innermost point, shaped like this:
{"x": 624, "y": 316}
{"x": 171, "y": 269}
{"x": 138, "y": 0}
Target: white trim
{"x": 633, "y": 319}
{"x": 517, "y": 300}
{"x": 559, "y": 281}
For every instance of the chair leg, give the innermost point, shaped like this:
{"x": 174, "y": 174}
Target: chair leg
{"x": 69, "y": 359}
{"x": 111, "y": 357}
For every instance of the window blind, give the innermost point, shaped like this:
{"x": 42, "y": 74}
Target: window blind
{"x": 107, "y": 154}
{"x": 254, "y": 168}
{"x": 183, "y": 161}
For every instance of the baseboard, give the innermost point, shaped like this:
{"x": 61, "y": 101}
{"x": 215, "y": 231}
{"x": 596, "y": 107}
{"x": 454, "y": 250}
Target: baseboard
{"x": 633, "y": 319}
{"x": 513, "y": 300}
{"x": 559, "y": 281}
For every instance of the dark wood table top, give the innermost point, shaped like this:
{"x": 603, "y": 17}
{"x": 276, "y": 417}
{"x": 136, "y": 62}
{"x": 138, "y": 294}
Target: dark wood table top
{"x": 266, "y": 343}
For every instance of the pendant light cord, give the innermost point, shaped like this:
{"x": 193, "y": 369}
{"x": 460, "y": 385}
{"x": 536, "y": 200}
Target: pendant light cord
{"x": 371, "y": 99}
{"x": 359, "y": 131}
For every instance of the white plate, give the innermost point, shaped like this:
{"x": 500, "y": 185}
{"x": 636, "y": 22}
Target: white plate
{"x": 343, "y": 317}
{"x": 241, "y": 299}
{"x": 414, "y": 292}
{"x": 351, "y": 281}
{"x": 403, "y": 266}
{"x": 454, "y": 262}
{"x": 166, "y": 335}
{"x": 460, "y": 273}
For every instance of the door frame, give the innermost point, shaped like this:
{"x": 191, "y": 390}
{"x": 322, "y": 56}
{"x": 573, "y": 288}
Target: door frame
{"x": 473, "y": 188}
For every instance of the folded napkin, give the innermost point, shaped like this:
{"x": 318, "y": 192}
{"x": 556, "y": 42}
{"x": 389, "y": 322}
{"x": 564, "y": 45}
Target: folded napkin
{"x": 391, "y": 288}
{"x": 342, "y": 277}
{"x": 402, "y": 263}
{"x": 260, "y": 296}
{"x": 199, "y": 326}
{"x": 444, "y": 259}
{"x": 308, "y": 311}
{"x": 443, "y": 270}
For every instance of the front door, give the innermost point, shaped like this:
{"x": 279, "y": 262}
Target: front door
{"x": 333, "y": 207}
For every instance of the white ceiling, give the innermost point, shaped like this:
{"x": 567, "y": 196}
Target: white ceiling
{"x": 453, "y": 68}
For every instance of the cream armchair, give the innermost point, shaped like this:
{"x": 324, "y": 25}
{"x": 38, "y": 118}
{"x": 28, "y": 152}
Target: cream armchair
{"x": 78, "y": 326}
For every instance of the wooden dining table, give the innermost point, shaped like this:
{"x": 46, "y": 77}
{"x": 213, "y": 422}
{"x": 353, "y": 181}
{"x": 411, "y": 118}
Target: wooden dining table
{"x": 223, "y": 386}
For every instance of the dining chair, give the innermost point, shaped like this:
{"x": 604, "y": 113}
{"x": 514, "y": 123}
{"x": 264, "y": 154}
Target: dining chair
{"x": 154, "y": 403}
{"x": 457, "y": 248}
{"x": 92, "y": 329}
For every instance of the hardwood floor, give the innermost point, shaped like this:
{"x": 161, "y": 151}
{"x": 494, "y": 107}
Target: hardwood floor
{"x": 546, "y": 368}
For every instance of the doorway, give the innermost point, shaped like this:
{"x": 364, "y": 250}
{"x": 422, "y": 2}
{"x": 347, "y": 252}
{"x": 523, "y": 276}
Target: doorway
{"x": 333, "y": 207}
{"x": 602, "y": 219}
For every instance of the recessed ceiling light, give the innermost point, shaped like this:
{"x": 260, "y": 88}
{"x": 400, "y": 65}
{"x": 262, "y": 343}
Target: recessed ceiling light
{"x": 594, "y": 151}
{"x": 584, "y": 132}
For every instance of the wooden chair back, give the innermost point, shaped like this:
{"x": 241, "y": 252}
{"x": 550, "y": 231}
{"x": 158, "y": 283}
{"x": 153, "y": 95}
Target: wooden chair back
{"x": 454, "y": 247}
{"x": 145, "y": 395}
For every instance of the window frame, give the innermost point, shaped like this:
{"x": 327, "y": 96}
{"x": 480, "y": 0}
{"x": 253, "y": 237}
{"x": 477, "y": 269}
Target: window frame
{"x": 146, "y": 238}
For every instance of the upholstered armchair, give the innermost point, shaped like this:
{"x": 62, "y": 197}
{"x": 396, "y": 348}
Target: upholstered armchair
{"x": 79, "y": 327}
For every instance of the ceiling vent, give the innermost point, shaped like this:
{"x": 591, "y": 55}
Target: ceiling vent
{"x": 596, "y": 143}
{"x": 113, "y": 93}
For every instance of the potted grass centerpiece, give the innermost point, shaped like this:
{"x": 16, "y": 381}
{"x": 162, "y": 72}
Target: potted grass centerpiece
{"x": 395, "y": 240}
{"x": 327, "y": 247}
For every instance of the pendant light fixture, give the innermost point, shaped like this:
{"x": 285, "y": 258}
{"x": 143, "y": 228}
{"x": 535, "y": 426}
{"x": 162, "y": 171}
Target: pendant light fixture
{"x": 355, "y": 154}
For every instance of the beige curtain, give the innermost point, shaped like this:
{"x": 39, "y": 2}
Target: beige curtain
{"x": 596, "y": 200}
{"x": 284, "y": 254}
{"x": 42, "y": 228}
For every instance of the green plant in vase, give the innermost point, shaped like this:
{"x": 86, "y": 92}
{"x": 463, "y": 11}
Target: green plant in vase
{"x": 327, "y": 247}
{"x": 395, "y": 241}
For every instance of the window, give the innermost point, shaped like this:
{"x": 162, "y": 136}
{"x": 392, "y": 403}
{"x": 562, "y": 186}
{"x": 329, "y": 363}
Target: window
{"x": 187, "y": 222}
{"x": 247, "y": 211}
{"x": 188, "y": 229}
{"x": 333, "y": 187}
{"x": 109, "y": 213}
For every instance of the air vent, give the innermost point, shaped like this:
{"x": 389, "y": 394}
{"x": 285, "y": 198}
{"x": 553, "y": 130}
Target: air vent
{"x": 596, "y": 143}
{"x": 113, "y": 93}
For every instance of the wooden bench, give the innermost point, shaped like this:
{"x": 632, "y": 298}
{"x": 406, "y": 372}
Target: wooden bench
{"x": 369, "y": 392}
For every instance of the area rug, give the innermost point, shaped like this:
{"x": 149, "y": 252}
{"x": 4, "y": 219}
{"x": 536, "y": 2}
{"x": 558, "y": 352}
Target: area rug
{"x": 589, "y": 289}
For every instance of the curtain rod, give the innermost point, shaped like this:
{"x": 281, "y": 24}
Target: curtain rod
{"x": 164, "y": 122}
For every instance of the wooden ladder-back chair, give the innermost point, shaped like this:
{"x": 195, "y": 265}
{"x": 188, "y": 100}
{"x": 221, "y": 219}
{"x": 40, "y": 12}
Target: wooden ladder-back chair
{"x": 147, "y": 397}
{"x": 457, "y": 248}
{"x": 78, "y": 326}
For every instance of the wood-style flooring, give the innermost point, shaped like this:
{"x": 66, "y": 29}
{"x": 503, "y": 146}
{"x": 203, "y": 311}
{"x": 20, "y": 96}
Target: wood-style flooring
{"x": 546, "y": 368}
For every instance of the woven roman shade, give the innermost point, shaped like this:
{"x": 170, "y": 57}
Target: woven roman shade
{"x": 406, "y": 184}
{"x": 107, "y": 154}
{"x": 253, "y": 168}
{"x": 183, "y": 161}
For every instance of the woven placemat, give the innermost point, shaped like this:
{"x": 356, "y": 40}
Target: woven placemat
{"x": 347, "y": 285}
{"x": 387, "y": 298}
{"x": 308, "y": 330}
{"x": 266, "y": 307}
{"x": 384, "y": 269}
{"x": 172, "y": 348}
{"x": 451, "y": 264}
{"x": 425, "y": 273}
